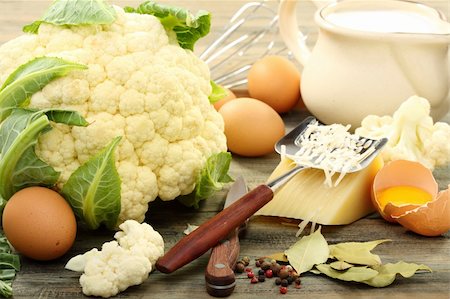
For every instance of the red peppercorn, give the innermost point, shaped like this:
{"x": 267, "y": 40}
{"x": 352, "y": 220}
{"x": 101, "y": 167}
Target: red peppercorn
{"x": 254, "y": 280}
{"x": 248, "y": 269}
{"x": 283, "y": 290}
{"x": 269, "y": 273}
{"x": 250, "y": 274}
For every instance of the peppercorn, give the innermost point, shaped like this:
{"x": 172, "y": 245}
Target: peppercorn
{"x": 283, "y": 273}
{"x": 283, "y": 290}
{"x": 261, "y": 278}
{"x": 269, "y": 273}
{"x": 265, "y": 265}
{"x": 250, "y": 274}
{"x": 294, "y": 275}
{"x": 239, "y": 267}
{"x": 254, "y": 280}
{"x": 261, "y": 260}
{"x": 278, "y": 281}
{"x": 261, "y": 272}
{"x": 246, "y": 260}
{"x": 248, "y": 269}
{"x": 290, "y": 279}
{"x": 298, "y": 281}
{"x": 275, "y": 268}
{"x": 257, "y": 264}
{"x": 284, "y": 283}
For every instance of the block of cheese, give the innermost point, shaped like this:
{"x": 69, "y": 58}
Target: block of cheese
{"x": 307, "y": 197}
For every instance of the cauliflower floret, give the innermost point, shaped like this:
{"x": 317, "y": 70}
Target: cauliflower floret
{"x": 139, "y": 84}
{"x": 411, "y": 133}
{"x": 140, "y": 239}
{"x": 120, "y": 264}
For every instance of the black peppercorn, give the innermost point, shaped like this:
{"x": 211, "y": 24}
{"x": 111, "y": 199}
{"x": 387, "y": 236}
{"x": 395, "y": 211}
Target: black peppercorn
{"x": 290, "y": 279}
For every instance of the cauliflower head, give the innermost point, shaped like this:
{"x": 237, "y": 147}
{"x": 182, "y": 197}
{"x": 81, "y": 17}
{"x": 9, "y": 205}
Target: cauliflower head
{"x": 412, "y": 134}
{"x": 120, "y": 264}
{"x": 139, "y": 84}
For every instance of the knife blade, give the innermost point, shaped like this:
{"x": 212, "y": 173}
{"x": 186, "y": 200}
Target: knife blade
{"x": 219, "y": 274}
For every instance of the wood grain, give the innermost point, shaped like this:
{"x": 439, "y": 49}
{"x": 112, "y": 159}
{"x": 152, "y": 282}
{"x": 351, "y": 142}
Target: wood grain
{"x": 264, "y": 236}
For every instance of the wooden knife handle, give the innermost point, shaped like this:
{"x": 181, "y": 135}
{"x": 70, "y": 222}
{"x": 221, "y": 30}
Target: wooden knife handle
{"x": 215, "y": 229}
{"x": 219, "y": 275}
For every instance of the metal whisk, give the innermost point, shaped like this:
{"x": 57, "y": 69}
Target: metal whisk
{"x": 251, "y": 33}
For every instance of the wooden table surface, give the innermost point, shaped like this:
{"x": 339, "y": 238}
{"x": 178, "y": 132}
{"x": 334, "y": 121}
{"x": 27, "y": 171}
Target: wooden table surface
{"x": 264, "y": 236}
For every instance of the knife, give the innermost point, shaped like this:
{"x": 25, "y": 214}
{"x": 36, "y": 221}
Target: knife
{"x": 215, "y": 229}
{"x": 219, "y": 275}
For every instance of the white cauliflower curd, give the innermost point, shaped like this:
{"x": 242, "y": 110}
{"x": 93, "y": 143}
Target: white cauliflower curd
{"x": 139, "y": 84}
{"x": 412, "y": 134}
{"x": 119, "y": 264}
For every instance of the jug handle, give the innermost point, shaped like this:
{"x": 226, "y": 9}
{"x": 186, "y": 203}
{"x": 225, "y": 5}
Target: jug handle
{"x": 294, "y": 39}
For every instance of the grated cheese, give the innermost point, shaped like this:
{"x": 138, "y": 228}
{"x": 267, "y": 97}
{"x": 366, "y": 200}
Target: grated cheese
{"x": 331, "y": 148}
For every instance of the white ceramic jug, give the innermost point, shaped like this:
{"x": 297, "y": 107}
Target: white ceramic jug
{"x": 361, "y": 65}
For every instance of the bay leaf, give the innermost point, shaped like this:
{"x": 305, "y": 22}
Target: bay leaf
{"x": 340, "y": 265}
{"x": 356, "y": 252}
{"x": 279, "y": 257}
{"x": 357, "y": 274}
{"x": 308, "y": 251}
{"x": 388, "y": 272}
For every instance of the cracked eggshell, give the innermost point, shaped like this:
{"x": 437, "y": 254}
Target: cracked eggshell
{"x": 431, "y": 219}
{"x": 402, "y": 173}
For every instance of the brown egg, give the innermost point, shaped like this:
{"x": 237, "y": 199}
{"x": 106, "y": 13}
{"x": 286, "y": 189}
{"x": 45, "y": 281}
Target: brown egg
{"x": 406, "y": 192}
{"x": 252, "y": 127}
{"x": 276, "y": 81}
{"x": 230, "y": 96}
{"x": 39, "y": 223}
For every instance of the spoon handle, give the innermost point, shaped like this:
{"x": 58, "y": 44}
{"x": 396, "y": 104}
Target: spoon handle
{"x": 215, "y": 229}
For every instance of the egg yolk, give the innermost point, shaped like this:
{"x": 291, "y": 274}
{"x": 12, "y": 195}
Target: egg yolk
{"x": 403, "y": 195}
